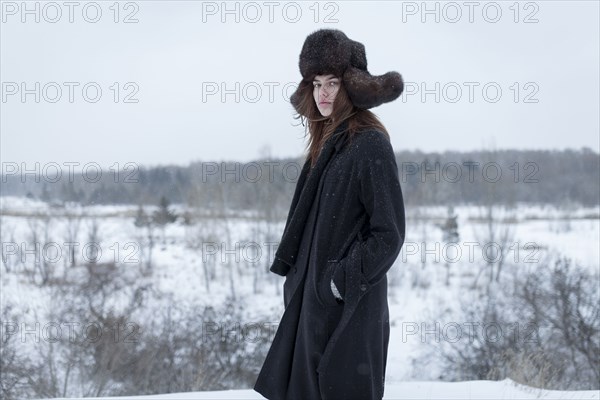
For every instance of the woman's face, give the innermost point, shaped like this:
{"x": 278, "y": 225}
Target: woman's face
{"x": 325, "y": 88}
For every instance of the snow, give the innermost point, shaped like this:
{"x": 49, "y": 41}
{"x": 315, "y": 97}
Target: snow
{"x": 178, "y": 277}
{"x": 482, "y": 390}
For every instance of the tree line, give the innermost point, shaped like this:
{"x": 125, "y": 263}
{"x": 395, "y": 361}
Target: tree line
{"x": 559, "y": 177}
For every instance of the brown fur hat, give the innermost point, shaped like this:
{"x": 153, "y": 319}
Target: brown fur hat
{"x": 330, "y": 51}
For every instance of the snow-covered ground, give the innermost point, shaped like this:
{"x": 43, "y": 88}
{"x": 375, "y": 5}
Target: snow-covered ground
{"x": 179, "y": 276}
{"x": 476, "y": 390}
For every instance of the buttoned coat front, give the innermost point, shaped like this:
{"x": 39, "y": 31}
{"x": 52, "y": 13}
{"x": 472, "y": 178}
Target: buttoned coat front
{"x": 358, "y": 234}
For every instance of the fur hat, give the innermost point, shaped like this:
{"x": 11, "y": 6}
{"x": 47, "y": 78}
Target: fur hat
{"x": 330, "y": 51}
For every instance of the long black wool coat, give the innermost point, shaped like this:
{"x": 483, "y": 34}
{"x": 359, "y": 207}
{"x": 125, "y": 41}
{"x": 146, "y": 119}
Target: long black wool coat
{"x": 356, "y": 232}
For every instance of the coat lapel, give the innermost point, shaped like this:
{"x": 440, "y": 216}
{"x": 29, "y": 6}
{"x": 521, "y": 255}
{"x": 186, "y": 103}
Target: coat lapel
{"x": 304, "y": 196}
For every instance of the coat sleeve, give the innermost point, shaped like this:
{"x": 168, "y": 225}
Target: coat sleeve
{"x": 381, "y": 196}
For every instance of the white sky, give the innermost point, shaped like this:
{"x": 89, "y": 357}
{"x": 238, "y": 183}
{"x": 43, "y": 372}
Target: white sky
{"x": 177, "y": 50}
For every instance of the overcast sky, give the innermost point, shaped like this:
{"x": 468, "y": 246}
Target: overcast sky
{"x": 192, "y": 83}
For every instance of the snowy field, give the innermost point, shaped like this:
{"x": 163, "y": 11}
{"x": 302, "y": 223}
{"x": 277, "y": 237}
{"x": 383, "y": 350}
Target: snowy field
{"x": 476, "y": 390}
{"x": 418, "y": 293}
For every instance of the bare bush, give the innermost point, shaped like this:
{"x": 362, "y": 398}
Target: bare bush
{"x": 111, "y": 353}
{"x": 214, "y": 349}
{"x": 551, "y": 331}
{"x": 15, "y": 368}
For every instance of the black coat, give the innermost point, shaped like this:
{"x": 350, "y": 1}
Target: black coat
{"x": 358, "y": 234}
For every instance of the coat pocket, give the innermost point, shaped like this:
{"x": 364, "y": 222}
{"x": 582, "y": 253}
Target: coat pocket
{"x": 324, "y": 291}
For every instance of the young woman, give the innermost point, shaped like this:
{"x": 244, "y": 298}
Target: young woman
{"x": 343, "y": 233}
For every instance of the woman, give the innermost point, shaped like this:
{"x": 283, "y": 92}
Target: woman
{"x": 344, "y": 231}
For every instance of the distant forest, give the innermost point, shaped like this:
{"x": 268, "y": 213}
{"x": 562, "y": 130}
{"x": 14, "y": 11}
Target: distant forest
{"x": 565, "y": 177}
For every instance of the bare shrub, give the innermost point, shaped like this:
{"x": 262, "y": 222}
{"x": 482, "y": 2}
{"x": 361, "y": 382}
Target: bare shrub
{"x": 551, "y": 331}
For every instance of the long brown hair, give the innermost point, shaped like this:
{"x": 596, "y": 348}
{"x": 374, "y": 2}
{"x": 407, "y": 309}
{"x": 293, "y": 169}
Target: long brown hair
{"x": 321, "y": 128}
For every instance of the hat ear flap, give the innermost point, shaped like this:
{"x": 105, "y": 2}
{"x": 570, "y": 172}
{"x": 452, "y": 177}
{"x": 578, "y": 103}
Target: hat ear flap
{"x": 295, "y": 99}
{"x": 299, "y": 94}
{"x": 367, "y": 91}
